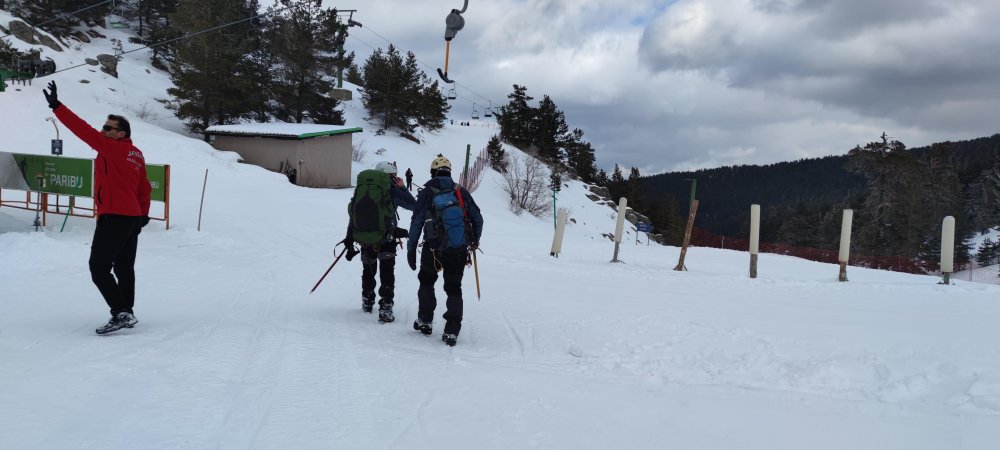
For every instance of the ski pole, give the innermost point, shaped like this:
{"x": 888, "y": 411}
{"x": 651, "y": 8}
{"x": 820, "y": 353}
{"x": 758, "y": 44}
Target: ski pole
{"x": 328, "y": 270}
{"x": 475, "y": 266}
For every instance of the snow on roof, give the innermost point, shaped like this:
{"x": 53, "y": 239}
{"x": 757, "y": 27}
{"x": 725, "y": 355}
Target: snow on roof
{"x": 282, "y": 130}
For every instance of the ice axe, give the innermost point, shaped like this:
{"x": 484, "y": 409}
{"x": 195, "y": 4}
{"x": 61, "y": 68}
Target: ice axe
{"x": 452, "y": 25}
{"x": 475, "y": 268}
{"x": 328, "y": 270}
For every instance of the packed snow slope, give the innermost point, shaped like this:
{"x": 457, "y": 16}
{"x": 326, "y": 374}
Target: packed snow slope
{"x": 231, "y": 350}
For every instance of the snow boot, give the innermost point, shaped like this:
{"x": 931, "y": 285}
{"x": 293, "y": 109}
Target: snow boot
{"x": 424, "y": 328}
{"x": 449, "y": 339}
{"x": 367, "y": 301}
{"x": 117, "y": 322}
{"x": 385, "y": 314}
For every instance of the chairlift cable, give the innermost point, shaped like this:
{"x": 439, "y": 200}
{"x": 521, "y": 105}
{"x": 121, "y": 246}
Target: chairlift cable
{"x": 62, "y": 16}
{"x": 186, "y": 36}
{"x": 460, "y": 96}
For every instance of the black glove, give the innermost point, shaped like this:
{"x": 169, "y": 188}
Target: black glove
{"x": 352, "y": 252}
{"x": 145, "y": 220}
{"x": 51, "y": 96}
{"x": 400, "y": 233}
{"x": 411, "y": 258}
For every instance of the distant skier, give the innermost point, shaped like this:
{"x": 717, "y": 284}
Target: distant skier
{"x": 372, "y": 225}
{"x": 121, "y": 200}
{"x": 409, "y": 180}
{"x": 452, "y": 225}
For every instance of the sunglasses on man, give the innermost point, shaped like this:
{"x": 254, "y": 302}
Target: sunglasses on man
{"x": 109, "y": 128}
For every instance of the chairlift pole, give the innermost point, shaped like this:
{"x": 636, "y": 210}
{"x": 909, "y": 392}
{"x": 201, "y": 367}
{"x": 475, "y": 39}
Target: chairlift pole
{"x": 554, "y": 211}
{"x": 453, "y": 24}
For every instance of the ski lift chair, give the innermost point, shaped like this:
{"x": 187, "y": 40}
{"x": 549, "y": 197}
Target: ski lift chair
{"x": 475, "y": 112}
{"x": 452, "y": 94}
{"x": 489, "y": 110}
{"x": 116, "y": 19}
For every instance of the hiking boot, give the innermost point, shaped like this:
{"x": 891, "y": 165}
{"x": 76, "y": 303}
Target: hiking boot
{"x": 385, "y": 314}
{"x": 117, "y": 322}
{"x": 422, "y": 327}
{"x": 367, "y": 301}
{"x": 449, "y": 339}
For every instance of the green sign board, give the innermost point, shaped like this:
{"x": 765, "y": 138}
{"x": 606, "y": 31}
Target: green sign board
{"x": 66, "y": 176}
{"x": 157, "y": 175}
{"x": 61, "y": 175}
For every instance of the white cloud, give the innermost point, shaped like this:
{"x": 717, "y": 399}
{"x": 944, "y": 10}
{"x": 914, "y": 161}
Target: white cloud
{"x": 699, "y": 83}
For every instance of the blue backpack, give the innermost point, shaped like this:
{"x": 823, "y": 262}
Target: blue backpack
{"x": 451, "y": 219}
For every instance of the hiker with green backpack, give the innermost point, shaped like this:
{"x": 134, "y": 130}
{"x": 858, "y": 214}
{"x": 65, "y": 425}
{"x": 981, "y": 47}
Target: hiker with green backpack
{"x": 372, "y": 226}
{"x": 451, "y": 224}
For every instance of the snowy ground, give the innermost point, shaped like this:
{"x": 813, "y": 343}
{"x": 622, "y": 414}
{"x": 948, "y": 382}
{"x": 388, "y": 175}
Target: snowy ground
{"x": 231, "y": 350}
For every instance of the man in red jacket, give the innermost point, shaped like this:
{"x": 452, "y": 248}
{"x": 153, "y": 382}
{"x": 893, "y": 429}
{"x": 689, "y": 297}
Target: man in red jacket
{"x": 121, "y": 199}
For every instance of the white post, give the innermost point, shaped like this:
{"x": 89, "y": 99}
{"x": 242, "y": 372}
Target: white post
{"x": 754, "y": 238}
{"x": 845, "y": 243}
{"x": 560, "y": 229}
{"x": 947, "y": 249}
{"x": 620, "y": 226}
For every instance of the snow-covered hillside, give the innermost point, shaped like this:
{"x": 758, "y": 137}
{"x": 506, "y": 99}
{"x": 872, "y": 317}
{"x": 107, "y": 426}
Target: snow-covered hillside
{"x": 231, "y": 350}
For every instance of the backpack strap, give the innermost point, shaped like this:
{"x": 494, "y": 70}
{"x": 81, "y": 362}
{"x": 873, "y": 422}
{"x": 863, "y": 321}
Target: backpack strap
{"x": 465, "y": 213}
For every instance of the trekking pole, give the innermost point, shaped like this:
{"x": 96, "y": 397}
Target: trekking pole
{"x": 475, "y": 267}
{"x": 328, "y": 270}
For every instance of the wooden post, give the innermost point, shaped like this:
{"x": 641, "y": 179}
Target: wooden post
{"x": 687, "y": 235}
{"x": 202, "y": 205}
{"x": 166, "y": 194}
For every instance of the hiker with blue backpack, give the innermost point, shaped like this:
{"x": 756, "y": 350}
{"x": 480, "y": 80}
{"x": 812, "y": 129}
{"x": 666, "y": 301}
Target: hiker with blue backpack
{"x": 451, "y": 225}
{"x": 372, "y": 226}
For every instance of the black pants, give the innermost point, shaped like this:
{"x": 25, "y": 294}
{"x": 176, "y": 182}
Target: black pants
{"x": 453, "y": 264}
{"x": 372, "y": 257}
{"x": 114, "y": 247}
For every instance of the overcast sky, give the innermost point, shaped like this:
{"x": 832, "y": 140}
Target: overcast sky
{"x": 688, "y": 84}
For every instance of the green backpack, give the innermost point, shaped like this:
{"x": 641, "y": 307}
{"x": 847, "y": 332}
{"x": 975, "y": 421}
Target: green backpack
{"x": 371, "y": 208}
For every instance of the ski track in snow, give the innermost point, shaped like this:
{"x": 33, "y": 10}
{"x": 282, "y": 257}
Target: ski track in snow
{"x": 231, "y": 351}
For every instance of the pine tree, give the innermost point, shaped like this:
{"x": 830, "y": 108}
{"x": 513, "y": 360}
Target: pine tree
{"x": 617, "y": 184}
{"x": 495, "y": 151}
{"x": 580, "y": 157}
{"x": 987, "y": 252}
{"x": 894, "y": 191}
{"x": 516, "y": 118}
{"x": 305, "y": 45}
{"x": 398, "y": 95}
{"x": 209, "y": 72}
{"x": 550, "y": 132}
{"x": 555, "y": 180}
{"x": 991, "y": 205}
{"x": 432, "y": 106}
{"x": 354, "y": 76}
{"x": 257, "y": 65}
{"x": 601, "y": 179}
{"x": 155, "y": 30}
{"x": 941, "y": 195}
{"x": 634, "y": 190}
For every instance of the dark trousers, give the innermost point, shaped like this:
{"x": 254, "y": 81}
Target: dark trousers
{"x": 453, "y": 264}
{"x": 372, "y": 257}
{"x": 409, "y": 184}
{"x": 114, "y": 247}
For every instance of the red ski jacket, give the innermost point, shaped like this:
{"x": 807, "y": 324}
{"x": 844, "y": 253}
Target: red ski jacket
{"x": 120, "y": 183}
